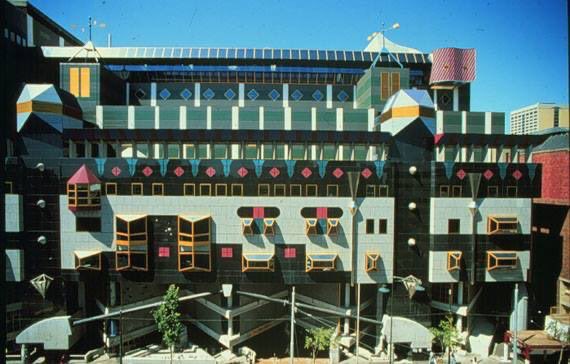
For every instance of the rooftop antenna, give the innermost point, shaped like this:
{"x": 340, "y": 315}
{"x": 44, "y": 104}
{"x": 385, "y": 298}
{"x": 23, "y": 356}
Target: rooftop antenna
{"x": 382, "y": 32}
{"x": 89, "y": 46}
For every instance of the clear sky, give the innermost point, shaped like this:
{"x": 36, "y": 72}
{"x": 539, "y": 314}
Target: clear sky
{"x": 522, "y": 45}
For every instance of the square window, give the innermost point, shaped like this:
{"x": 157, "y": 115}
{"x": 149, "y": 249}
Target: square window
{"x": 189, "y": 189}
{"x": 164, "y": 251}
{"x": 136, "y": 189}
{"x": 221, "y": 189}
{"x": 279, "y": 190}
{"x": 332, "y": 190}
{"x": 227, "y": 252}
{"x": 205, "y": 189}
{"x": 382, "y": 191}
{"x": 370, "y": 191}
{"x": 511, "y": 191}
{"x": 457, "y": 191}
{"x": 492, "y": 191}
{"x": 110, "y": 188}
{"x": 263, "y": 189}
{"x": 369, "y": 226}
{"x": 453, "y": 226}
{"x": 237, "y": 189}
{"x": 158, "y": 189}
{"x": 382, "y": 226}
{"x": 312, "y": 190}
{"x": 250, "y": 151}
{"x": 444, "y": 191}
{"x": 295, "y": 190}
{"x": 91, "y": 224}
{"x": 290, "y": 253}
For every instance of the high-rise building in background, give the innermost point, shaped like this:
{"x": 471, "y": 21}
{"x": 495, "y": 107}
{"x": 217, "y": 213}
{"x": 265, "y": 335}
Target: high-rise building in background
{"x": 538, "y": 117}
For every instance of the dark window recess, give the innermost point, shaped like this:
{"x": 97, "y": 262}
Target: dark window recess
{"x": 369, "y": 226}
{"x": 382, "y": 226}
{"x": 80, "y": 150}
{"x": 88, "y": 224}
{"x": 453, "y": 226}
{"x": 95, "y": 150}
{"x": 111, "y": 152}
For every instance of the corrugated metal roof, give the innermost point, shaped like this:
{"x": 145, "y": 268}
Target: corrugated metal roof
{"x": 555, "y": 142}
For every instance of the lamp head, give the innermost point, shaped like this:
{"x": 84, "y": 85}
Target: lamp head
{"x": 395, "y": 25}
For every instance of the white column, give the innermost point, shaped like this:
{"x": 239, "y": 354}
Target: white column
{"x": 435, "y": 99}
{"x": 197, "y": 94}
{"x": 241, "y": 95}
{"x": 127, "y": 93}
{"x": 339, "y": 119}
{"x": 30, "y": 30}
{"x": 131, "y": 117}
{"x": 487, "y": 123}
{"x": 208, "y": 117}
{"x": 99, "y": 116}
{"x": 459, "y": 323}
{"x": 439, "y": 122}
{"x": 153, "y": 94}
{"x": 285, "y": 95}
{"x": 313, "y": 118}
{"x": 456, "y": 99}
{"x": 464, "y": 122}
{"x": 346, "y": 330}
{"x": 287, "y": 118}
{"x": 354, "y": 97}
{"x": 183, "y": 118}
{"x": 371, "y": 112}
{"x": 261, "y": 118}
{"x": 235, "y": 118}
{"x": 329, "y": 96}
{"x": 157, "y": 117}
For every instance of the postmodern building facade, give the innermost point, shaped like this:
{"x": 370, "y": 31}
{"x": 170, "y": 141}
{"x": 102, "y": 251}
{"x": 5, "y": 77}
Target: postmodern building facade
{"x": 538, "y": 117}
{"x": 264, "y": 169}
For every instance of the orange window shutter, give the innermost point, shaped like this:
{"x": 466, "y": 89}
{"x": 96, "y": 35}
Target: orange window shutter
{"x": 384, "y": 85}
{"x": 74, "y": 81}
{"x": 395, "y": 83}
{"x": 85, "y": 82}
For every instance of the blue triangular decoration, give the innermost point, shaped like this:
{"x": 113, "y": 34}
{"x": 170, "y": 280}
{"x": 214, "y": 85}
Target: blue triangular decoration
{"x": 132, "y": 162}
{"x": 448, "y": 168}
{"x": 100, "y": 165}
{"x": 194, "y": 163}
{"x": 503, "y": 170}
{"x": 531, "y": 170}
{"x": 323, "y": 224}
{"x": 322, "y": 167}
{"x": 379, "y": 168}
{"x": 258, "y": 163}
{"x": 290, "y": 167}
{"x": 163, "y": 164}
{"x": 226, "y": 163}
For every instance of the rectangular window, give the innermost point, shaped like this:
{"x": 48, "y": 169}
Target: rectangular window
{"x": 263, "y": 189}
{"x": 360, "y": 152}
{"x": 189, "y": 151}
{"x": 142, "y": 150}
{"x": 92, "y": 224}
{"x": 220, "y": 151}
{"x": 221, "y": 189}
{"x": 74, "y": 81}
{"x": 250, "y": 151}
{"x": 347, "y": 152}
{"x": 227, "y": 252}
{"x": 111, "y": 151}
{"x": 382, "y": 226}
{"x": 297, "y": 151}
{"x": 136, "y": 189}
{"x": 454, "y": 260}
{"x": 384, "y": 85}
{"x": 202, "y": 151}
{"x": 205, "y": 189}
{"x": 502, "y": 224}
{"x": 267, "y": 151}
{"x": 453, "y": 226}
{"x": 80, "y": 150}
{"x": 444, "y": 191}
{"x": 163, "y": 252}
{"x": 332, "y": 190}
{"x": 457, "y": 191}
{"x": 279, "y": 190}
{"x": 85, "y": 81}
{"x": 311, "y": 191}
{"x": 369, "y": 226}
{"x": 237, "y": 189}
{"x": 295, "y": 190}
{"x": 8, "y": 187}
{"x": 370, "y": 191}
{"x": 371, "y": 262}
{"x": 329, "y": 152}
{"x": 501, "y": 259}
{"x": 158, "y": 151}
{"x": 280, "y": 151}
{"x": 511, "y": 191}
{"x": 173, "y": 151}
{"x": 110, "y": 188}
{"x": 95, "y": 150}
{"x": 189, "y": 189}
{"x": 158, "y": 189}
{"x": 382, "y": 191}
{"x": 395, "y": 83}
{"x": 290, "y": 253}
{"x": 492, "y": 191}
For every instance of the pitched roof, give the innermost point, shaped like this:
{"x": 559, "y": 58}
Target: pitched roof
{"x": 555, "y": 142}
{"x": 83, "y": 175}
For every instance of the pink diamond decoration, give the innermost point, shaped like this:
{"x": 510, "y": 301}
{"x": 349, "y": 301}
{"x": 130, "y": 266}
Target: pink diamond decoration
{"x": 338, "y": 173}
{"x": 179, "y": 171}
{"x": 306, "y": 172}
{"x": 274, "y": 172}
{"x": 366, "y": 173}
{"x": 116, "y": 171}
{"x": 461, "y": 174}
{"x": 488, "y": 174}
{"x": 242, "y": 172}
{"x": 147, "y": 171}
{"x": 210, "y": 171}
{"x": 517, "y": 174}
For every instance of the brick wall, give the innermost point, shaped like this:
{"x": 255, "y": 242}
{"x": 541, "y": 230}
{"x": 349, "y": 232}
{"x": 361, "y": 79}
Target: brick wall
{"x": 565, "y": 233}
{"x": 555, "y": 174}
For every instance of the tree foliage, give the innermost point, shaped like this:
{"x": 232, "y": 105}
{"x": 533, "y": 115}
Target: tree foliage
{"x": 318, "y": 339}
{"x": 167, "y": 318}
{"x": 560, "y": 333}
{"x": 447, "y": 334}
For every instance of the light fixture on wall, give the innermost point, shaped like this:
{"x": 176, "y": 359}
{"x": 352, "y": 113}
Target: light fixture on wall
{"x": 41, "y": 204}
{"x": 411, "y": 242}
{"x": 412, "y": 206}
{"x": 413, "y": 170}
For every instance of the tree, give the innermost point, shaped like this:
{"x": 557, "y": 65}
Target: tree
{"x": 447, "y": 334}
{"x": 560, "y": 333}
{"x": 318, "y": 339}
{"x": 167, "y": 318}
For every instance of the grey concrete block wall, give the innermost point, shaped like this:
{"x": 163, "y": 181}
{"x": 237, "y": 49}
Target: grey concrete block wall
{"x": 438, "y": 272}
{"x": 227, "y": 228}
{"x": 14, "y": 213}
{"x": 14, "y": 265}
{"x": 443, "y": 209}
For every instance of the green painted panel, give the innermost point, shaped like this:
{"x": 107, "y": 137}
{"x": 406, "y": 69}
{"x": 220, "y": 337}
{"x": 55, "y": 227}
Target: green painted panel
{"x": 326, "y": 120}
{"x": 476, "y": 122}
{"x": 274, "y": 119}
{"x": 221, "y": 118}
{"x": 169, "y": 118}
{"x": 452, "y": 122}
{"x": 196, "y": 118}
{"x": 498, "y": 123}
{"x": 301, "y": 120}
{"x": 355, "y": 120}
{"x": 144, "y": 117}
{"x": 115, "y": 117}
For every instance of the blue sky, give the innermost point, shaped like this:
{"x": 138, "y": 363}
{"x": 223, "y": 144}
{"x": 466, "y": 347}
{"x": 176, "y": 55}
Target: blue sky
{"x": 522, "y": 46}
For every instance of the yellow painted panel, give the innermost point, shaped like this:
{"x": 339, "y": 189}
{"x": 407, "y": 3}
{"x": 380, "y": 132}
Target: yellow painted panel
{"x": 74, "y": 81}
{"x": 384, "y": 85}
{"x": 395, "y": 82}
{"x": 85, "y": 82}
